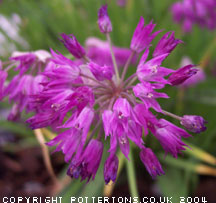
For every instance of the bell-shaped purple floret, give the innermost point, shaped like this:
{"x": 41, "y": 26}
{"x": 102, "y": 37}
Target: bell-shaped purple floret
{"x": 182, "y": 74}
{"x": 25, "y": 61}
{"x": 63, "y": 72}
{"x": 87, "y": 164}
{"x": 111, "y": 168}
{"x": 151, "y": 162}
{"x": 143, "y": 116}
{"x": 73, "y": 46}
{"x": 107, "y": 117}
{"x": 81, "y": 97}
{"x": 173, "y": 128}
{"x": 104, "y": 20}
{"x": 19, "y": 91}
{"x": 82, "y": 122}
{"x": 151, "y": 70}
{"x": 169, "y": 137}
{"x": 194, "y": 79}
{"x": 122, "y": 141}
{"x": 68, "y": 142}
{"x": 142, "y": 36}
{"x": 122, "y": 107}
{"x": 44, "y": 119}
{"x": 166, "y": 44}
{"x": 193, "y": 123}
{"x": 51, "y": 111}
{"x": 147, "y": 94}
{"x": 60, "y": 59}
{"x": 101, "y": 72}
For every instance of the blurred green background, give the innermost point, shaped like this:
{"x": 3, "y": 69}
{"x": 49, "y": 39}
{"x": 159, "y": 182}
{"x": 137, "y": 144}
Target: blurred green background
{"x": 39, "y": 24}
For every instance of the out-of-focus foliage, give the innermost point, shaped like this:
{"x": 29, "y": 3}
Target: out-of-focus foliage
{"x": 43, "y": 20}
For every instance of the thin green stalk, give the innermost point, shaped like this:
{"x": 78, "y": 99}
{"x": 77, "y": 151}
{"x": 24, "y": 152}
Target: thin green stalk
{"x": 207, "y": 56}
{"x": 200, "y": 154}
{"x": 180, "y": 101}
{"x": 113, "y": 57}
{"x": 132, "y": 177}
{"x": 127, "y": 65}
{"x": 171, "y": 115}
{"x": 132, "y": 81}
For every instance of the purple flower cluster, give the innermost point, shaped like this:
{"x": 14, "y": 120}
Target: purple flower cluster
{"x": 27, "y": 82}
{"x": 189, "y": 12}
{"x": 86, "y": 99}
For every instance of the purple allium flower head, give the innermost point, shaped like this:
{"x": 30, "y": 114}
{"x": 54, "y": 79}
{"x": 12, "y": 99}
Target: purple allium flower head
{"x": 166, "y": 44}
{"x": 25, "y": 83}
{"x": 190, "y": 12}
{"x": 151, "y": 162}
{"x": 111, "y": 168}
{"x": 84, "y": 100}
{"x": 182, "y": 74}
{"x": 73, "y": 46}
{"x": 195, "y": 124}
{"x": 86, "y": 165}
{"x": 99, "y": 52}
{"x": 103, "y": 20}
{"x": 142, "y": 36}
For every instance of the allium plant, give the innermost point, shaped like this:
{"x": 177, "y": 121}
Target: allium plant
{"x": 88, "y": 103}
{"x": 190, "y": 12}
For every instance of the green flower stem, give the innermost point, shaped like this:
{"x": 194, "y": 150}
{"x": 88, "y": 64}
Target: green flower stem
{"x": 132, "y": 176}
{"x": 180, "y": 101}
{"x": 206, "y": 57}
{"x": 200, "y": 154}
{"x": 113, "y": 57}
{"x": 127, "y": 65}
{"x": 46, "y": 157}
{"x": 171, "y": 115}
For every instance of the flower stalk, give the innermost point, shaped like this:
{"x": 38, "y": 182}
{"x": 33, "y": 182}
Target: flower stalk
{"x": 132, "y": 176}
{"x": 127, "y": 66}
{"x": 46, "y": 156}
{"x": 113, "y": 57}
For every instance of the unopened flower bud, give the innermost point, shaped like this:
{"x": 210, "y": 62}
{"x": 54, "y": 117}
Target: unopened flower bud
{"x": 195, "y": 124}
{"x": 111, "y": 168}
{"x": 151, "y": 162}
{"x": 182, "y": 74}
{"x": 104, "y": 20}
{"x": 73, "y": 46}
